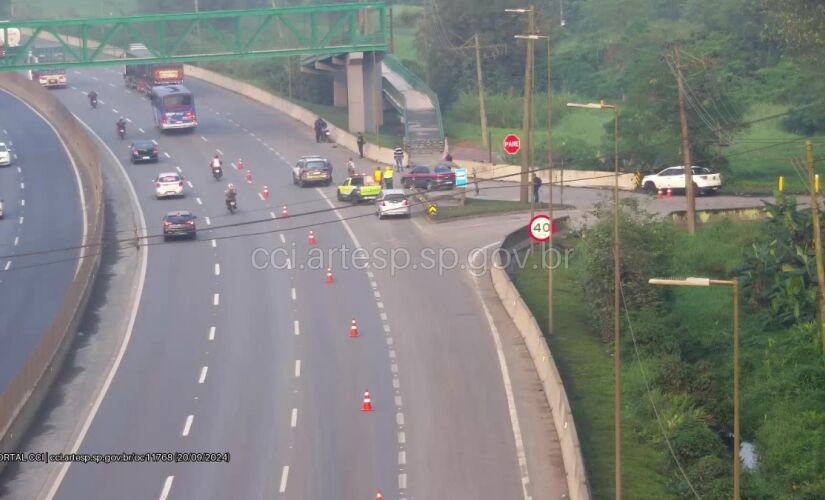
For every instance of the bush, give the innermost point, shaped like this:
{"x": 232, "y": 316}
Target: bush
{"x": 693, "y": 440}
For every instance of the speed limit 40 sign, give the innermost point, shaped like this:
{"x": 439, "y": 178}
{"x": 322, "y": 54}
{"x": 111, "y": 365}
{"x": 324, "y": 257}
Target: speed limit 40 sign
{"x": 541, "y": 227}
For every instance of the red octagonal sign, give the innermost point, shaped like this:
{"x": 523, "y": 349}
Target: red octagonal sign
{"x": 512, "y": 144}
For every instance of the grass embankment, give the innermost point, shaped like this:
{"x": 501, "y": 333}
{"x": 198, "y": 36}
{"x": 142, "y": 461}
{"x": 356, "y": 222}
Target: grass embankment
{"x": 474, "y": 207}
{"x": 586, "y": 364}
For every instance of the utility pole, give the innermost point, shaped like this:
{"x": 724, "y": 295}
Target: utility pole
{"x": 481, "y": 104}
{"x": 392, "y": 36}
{"x": 550, "y": 189}
{"x": 691, "y": 200}
{"x": 820, "y": 272}
{"x": 528, "y": 107}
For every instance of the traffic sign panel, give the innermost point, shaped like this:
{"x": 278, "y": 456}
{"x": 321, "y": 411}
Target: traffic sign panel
{"x": 432, "y": 210}
{"x": 541, "y": 227}
{"x": 512, "y": 144}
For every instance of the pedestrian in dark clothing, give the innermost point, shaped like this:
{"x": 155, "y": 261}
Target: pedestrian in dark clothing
{"x": 475, "y": 180}
{"x": 361, "y": 143}
{"x": 536, "y": 186}
{"x": 448, "y": 158}
{"x": 319, "y": 128}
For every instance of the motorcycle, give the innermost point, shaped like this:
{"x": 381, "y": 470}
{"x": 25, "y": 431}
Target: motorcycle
{"x": 325, "y": 135}
{"x": 232, "y": 205}
{"x": 121, "y": 131}
{"x": 93, "y": 102}
{"x": 217, "y": 173}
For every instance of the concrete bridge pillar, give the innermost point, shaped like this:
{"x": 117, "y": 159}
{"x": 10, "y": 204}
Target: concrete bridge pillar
{"x": 339, "y": 89}
{"x": 364, "y": 98}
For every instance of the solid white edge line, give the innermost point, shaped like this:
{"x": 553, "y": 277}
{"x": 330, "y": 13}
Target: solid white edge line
{"x": 202, "y": 377}
{"x": 84, "y": 236}
{"x": 187, "y": 426}
{"x": 64, "y": 468}
{"x": 167, "y": 487}
{"x": 293, "y": 421}
{"x": 284, "y": 476}
{"x": 508, "y": 386}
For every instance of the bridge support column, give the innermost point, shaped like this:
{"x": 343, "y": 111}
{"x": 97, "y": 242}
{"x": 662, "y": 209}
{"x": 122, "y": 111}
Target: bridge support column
{"x": 339, "y": 89}
{"x": 364, "y": 91}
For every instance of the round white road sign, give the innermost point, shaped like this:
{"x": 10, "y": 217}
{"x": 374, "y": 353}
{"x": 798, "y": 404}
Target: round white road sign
{"x": 541, "y": 227}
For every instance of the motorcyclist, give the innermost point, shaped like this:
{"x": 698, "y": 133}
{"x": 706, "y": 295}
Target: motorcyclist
{"x": 121, "y": 124}
{"x": 93, "y": 98}
{"x": 216, "y": 162}
{"x": 231, "y": 194}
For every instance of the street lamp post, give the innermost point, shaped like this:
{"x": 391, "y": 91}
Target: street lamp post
{"x": 528, "y": 98}
{"x": 617, "y": 359}
{"x": 734, "y": 284}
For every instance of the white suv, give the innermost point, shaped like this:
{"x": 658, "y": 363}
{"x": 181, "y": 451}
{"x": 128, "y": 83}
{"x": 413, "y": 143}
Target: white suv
{"x": 674, "y": 178}
{"x": 5, "y": 154}
{"x": 168, "y": 184}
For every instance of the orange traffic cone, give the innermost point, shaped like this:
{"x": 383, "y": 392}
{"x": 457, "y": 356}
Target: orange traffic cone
{"x": 249, "y": 177}
{"x": 329, "y": 275}
{"x": 367, "y": 404}
{"x": 659, "y": 196}
{"x": 284, "y": 213}
{"x": 669, "y": 192}
{"x": 239, "y": 164}
{"x": 265, "y": 193}
{"x": 353, "y": 329}
{"x": 311, "y": 238}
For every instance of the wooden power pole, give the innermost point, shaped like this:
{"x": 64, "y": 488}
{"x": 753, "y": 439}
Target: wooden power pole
{"x": 482, "y": 108}
{"x": 820, "y": 271}
{"x": 686, "y": 161}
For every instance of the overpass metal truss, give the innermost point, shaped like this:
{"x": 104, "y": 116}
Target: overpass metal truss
{"x": 204, "y": 36}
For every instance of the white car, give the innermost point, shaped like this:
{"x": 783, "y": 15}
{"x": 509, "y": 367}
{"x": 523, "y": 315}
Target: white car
{"x": 5, "y": 154}
{"x": 392, "y": 202}
{"x": 674, "y": 178}
{"x": 168, "y": 184}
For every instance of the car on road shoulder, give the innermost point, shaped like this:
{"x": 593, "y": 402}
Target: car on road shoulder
{"x": 5, "y": 154}
{"x": 143, "y": 151}
{"x": 312, "y": 170}
{"x": 179, "y": 223}
{"x": 704, "y": 180}
{"x": 168, "y": 184}
{"x": 357, "y": 188}
{"x": 392, "y": 202}
{"x": 427, "y": 178}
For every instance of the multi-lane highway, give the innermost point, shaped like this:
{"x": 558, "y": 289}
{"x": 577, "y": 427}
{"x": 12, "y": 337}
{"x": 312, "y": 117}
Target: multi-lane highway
{"x": 42, "y": 212}
{"x": 240, "y": 346}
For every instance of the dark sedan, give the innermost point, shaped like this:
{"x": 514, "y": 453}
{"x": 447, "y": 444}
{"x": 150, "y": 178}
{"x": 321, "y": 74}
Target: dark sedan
{"x": 144, "y": 151}
{"x": 424, "y": 177}
{"x": 179, "y": 223}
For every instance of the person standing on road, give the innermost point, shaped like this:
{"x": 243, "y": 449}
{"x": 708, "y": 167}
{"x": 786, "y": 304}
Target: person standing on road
{"x": 319, "y": 128}
{"x": 398, "y": 155}
{"x": 536, "y": 187}
{"x": 475, "y": 180}
{"x": 377, "y": 176}
{"x": 350, "y": 168}
{"x": 388, "y": 177}
{"x": 361, "y": 143}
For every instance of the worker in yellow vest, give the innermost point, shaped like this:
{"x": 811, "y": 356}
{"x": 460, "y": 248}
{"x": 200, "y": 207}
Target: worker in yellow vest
{"x": 388, "y": 177}
{"x": 376, "y": 175}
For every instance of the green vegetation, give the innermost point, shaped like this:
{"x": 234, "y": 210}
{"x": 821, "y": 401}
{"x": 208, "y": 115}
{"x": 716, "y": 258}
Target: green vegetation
{"x": 676, "y": 347}
{"x": 474, "y": 207}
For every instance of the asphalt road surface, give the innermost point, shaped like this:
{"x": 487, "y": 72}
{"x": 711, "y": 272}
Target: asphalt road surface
{"x": 241, "y": 347}
{"x": 42, "y": 211}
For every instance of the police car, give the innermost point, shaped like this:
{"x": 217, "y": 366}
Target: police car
{"x": 312, "y": 170}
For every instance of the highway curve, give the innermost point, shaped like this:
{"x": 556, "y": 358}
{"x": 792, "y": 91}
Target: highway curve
{"x": 42, "y": 211}
{"x": 232, "y": 354}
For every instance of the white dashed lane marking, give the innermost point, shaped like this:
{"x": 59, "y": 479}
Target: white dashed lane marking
{"x": 217, "y": 269}
{"x": 208, "y": 222}
{"x": 154, "y": 142}
{"x": 187, "y": 426}
{"x": 202, "y": 377}
{"x": 294, "y": 420}
{"x": 297, "y": 327}
{"x": 219, "y": 152}
{"x": 22, "y": 185}
{"x": 115, "y": 111}
{"x": 167, "y": 154}
{"x": 189, "y": 183}
{"x": 283, "y": 239}
{"x": 21, "y": 220}
{"x": 216, "y": 299}
{"x": 141, "y": 130}
{"x": 214, "y": 244}
{"x": 211, "y": 333}
{"x": 167, "y": 487}
{"x": 294, "y": 295}
{"x": 284, "y": 476}
{"x": 22, "y": 203}
{"x": 297, "y": 368}
{"x": 179, "y": 170}
{"x": 7, "y": 266}
{"x": 16, "y": 240}
{"x": 204, "y": 139}
{"x": 198, "y": 201}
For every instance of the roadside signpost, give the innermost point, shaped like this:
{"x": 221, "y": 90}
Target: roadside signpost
{"x": 541, "y": 228}
{"x": 512, "y": 144}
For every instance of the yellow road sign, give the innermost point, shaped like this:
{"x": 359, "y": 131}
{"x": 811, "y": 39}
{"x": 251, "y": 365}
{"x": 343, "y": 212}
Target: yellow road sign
{"x": 432, "y": 210}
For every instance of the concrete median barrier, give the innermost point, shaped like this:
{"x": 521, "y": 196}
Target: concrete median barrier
{"x": 21, "y": 398}
{"x": 577, "y": 484}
